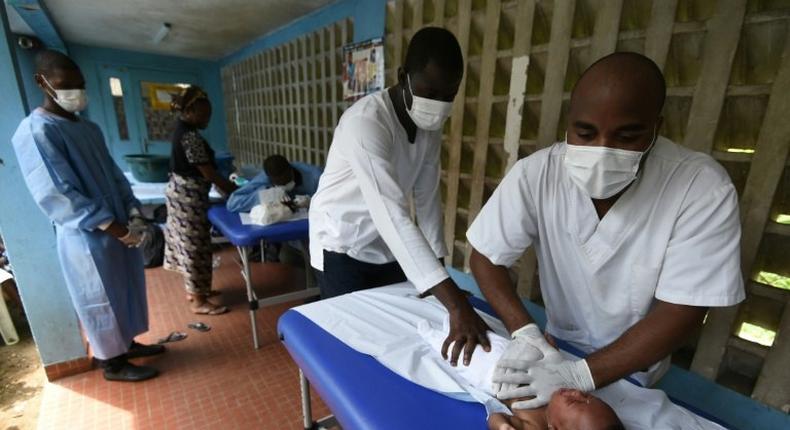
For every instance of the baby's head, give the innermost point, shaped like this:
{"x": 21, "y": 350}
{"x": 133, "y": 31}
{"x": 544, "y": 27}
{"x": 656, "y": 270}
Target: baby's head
{"x": 574, "y": 409}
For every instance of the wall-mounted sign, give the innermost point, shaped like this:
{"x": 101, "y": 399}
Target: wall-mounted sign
{"x": 363, "y": 68}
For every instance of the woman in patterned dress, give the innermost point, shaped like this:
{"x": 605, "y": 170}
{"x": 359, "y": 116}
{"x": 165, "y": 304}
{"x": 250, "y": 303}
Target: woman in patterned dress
{"x": 192, "y": 172}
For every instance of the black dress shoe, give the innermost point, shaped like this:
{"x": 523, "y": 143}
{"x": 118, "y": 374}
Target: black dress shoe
{"x": 128, "y": 372}
{"x": 137, "y": 350}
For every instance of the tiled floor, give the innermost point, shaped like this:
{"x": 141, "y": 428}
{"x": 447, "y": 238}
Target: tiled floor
{"x": 209, "y": 380}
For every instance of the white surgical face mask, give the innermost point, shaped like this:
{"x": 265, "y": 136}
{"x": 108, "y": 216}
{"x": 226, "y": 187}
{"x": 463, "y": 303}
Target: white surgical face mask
{"x": 427, "y": 114}
{"x": 70, "y": 100}
{"x": 600, "y": 171}
{"x": 289, "y": 186}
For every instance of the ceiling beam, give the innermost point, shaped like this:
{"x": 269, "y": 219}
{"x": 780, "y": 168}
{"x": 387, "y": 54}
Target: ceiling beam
{"x": 36, "y": 15}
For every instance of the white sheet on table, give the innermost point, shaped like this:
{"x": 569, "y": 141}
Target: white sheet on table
{"x": 149, "y": 192}
{"x": 247, "y": 220}
{"x": 387, "y": 322}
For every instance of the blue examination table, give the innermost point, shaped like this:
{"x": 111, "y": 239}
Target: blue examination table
{"x": 364, "y": 394}
{"x": 245, "y": 237}
{"x": 361, "y": 392}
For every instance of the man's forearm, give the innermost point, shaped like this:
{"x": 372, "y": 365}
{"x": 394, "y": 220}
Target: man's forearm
{"x": 498, "y": 290}
{"x": 647, "y": 342}
{"x": 449, "y": 295}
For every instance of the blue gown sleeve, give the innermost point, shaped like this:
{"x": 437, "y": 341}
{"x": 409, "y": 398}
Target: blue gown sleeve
{"x": 123, "y": 186}
{"x": 246, "y": 197}
{"x": 315, "y": 173}
{"x": 121, "y": 183}
{"x": 310, "y": 176}
{"x": 53, "y": 183}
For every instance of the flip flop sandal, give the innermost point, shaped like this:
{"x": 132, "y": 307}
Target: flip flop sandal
{"x": 173, "y": 337}
{"x": 199, "y": 326}
{"x": 210, "y": 310}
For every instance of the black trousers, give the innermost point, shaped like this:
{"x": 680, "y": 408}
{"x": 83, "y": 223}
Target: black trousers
{"x": 343, "y": 274}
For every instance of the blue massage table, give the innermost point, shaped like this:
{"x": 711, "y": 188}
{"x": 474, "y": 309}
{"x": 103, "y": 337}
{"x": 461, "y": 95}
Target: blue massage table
{"x": 363, "y": 394}
{"x": 245, "y": 237}
{"x": 346, "y": 379}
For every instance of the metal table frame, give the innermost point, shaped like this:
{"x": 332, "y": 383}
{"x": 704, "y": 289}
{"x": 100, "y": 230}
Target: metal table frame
{"x": 255, "y": 303}
{"x": 326, "y": 422}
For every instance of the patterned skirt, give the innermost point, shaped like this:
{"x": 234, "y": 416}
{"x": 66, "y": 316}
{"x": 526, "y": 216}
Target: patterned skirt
{"x": 188, "y": 233}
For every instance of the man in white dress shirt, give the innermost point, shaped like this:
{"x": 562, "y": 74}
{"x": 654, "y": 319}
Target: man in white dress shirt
{"x": 385, "y": 152}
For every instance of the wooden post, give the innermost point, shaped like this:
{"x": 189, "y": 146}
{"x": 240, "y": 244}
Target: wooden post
{"x": 525, "y": 14}
{"x": 607, "y": 26}
{"x": 484, "y": 102}
{"x": 456, "y": 130}
{"x": 438, "y": 13}
{"x": 557, "y": 65}
{"x": 721, "y": 43}
{"x": 416, "y": 24}
{"x": 659, "y": 31}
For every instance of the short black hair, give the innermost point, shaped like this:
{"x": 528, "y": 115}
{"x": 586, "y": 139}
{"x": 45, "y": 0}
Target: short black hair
{"x": 652, "y": 72}
{"x": 437, "y": 45}
{"x": 50, "y": 60}
{"x": 276, "y": 165}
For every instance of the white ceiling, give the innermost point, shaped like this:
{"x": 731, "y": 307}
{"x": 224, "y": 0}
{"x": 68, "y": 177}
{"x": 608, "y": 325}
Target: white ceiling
{"x": 208, "y": 29}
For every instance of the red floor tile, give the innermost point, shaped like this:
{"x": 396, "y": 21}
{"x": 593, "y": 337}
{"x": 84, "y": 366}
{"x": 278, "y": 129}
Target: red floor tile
{"x": 209, "y": 380}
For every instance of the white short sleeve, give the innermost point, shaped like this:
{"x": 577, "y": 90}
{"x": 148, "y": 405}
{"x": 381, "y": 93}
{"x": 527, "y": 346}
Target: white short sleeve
{"x": 702, "y": 263}
{"x": 507, "y": 224}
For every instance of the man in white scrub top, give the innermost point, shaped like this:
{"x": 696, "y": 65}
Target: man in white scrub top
{"x": 384, "y": 155}
{"x": 636, "y": 238}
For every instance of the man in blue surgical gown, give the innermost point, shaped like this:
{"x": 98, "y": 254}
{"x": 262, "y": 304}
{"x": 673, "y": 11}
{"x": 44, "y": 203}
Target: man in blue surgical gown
{"x": 73, "y": 179}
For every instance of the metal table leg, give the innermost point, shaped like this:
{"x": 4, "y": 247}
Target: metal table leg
{"x": 244, "y": 253}
{"x": 307, "y": 410}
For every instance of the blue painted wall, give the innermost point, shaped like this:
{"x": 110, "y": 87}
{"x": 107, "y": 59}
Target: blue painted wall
{"x": 92, "y": 59}
{"x": 27, "y": 233}
{"x": 369, "y": 19}
{"x": 27, "y": 67}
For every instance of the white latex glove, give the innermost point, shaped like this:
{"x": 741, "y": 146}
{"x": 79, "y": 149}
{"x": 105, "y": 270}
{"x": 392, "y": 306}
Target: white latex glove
{"x": 543, "y": 379}
{"x": 135, "y": 237}
{"x": 527, "y": 352}
{"x": 527, "y": 348}
{"x": 137, "y": 221}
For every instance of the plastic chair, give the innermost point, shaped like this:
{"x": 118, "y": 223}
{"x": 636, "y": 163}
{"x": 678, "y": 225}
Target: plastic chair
{"x": 7, "y": 329}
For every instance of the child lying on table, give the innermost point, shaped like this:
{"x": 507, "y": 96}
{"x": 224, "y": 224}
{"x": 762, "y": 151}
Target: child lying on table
{"x": 404, "y": 333}
{"x": 568, "y": 409}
